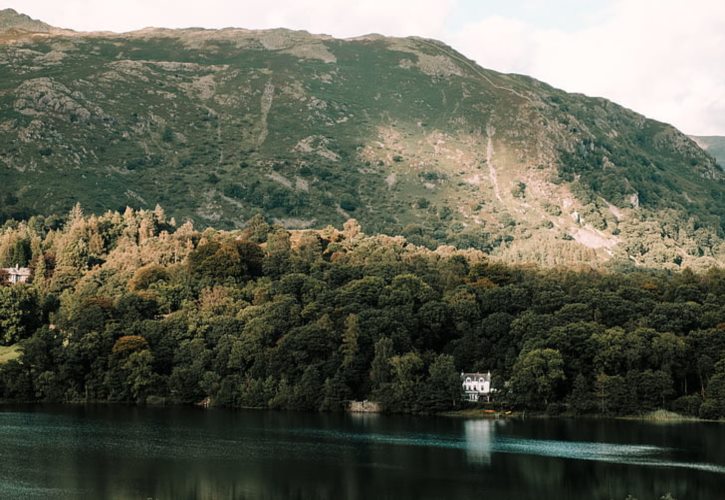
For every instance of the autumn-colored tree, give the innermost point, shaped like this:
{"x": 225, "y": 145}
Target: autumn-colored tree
{"x": 125, "y": 306}
{"x": 129, "y": 344}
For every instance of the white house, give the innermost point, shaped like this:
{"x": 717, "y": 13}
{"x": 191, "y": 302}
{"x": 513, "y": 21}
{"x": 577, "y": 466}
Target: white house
{"x": 476, "y": 386}
{"x": 17, "y": 274}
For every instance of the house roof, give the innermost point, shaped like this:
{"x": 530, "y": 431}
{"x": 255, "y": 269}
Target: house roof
{"x": 477, "y": 375}
{"x": 17, "y": 271}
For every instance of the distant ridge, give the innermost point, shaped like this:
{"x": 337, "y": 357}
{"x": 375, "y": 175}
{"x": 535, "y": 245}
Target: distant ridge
{"x": 11, "y": 19}
{"x": 713, "y": 144}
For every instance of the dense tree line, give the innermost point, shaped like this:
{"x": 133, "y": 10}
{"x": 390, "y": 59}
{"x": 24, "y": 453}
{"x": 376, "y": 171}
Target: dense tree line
{"x": 131, "y": 307}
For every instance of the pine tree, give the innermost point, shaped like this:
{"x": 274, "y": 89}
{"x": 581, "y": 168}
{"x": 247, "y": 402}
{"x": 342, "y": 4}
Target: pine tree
{"x": 581, "y": 399}
{"x": 380, "y": 367}
{"x": 349, "y": 347}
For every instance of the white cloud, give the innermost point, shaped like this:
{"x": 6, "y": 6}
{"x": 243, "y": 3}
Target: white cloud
{"x": 499, "y": 43}
{"x": 336, "y": 17}
{"x": 661, "y": 58}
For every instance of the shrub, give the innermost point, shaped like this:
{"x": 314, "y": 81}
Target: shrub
{"x": 167, "y": 135}
{"x": 519, "y": 190}
{"x": 348, "y": 203}
{"x": 688, "y": 405}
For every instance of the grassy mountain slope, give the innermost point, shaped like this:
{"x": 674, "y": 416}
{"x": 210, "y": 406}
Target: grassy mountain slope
{"x": 406, "y": 135}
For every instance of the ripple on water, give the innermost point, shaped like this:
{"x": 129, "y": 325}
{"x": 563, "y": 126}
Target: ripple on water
{"x": 629, "y": 454}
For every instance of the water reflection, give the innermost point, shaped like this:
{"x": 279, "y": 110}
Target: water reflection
{"x": 183, "y": 453}
{"x": 479, "y": 440}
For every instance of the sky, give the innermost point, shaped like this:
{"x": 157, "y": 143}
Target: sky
{"x": 662, "y": 58}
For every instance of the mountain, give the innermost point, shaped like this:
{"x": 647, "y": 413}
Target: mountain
{"x": 404, "y": 134}
{"x": 11, "y": 20}
{"x": 713, "y": 144}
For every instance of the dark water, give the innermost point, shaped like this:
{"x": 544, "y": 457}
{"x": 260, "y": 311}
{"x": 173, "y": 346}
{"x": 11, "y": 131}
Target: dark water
{"x": 119, "y": 452}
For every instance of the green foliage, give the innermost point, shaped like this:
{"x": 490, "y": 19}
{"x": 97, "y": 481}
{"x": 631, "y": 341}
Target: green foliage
{"x": 404, "y": 391}
{"x": 443, "y": 387}
{"x": 19, "y": 313}
{"x": 536, "y": 375}
{"x": 380, "y": 371}
{"x": 615, "y": 395}
{"x": 218, "y": 261}
{"x": 309, "y": 320}
{"x": 17, "y": 254}
{"x": 581, "y": 399}
{"x": 168, "y": 134}
{"x": 348, "y": 202}
{"x": 519, "y": 190}
{"x": 713, "y": 407}
{"x": 688, "y": 405}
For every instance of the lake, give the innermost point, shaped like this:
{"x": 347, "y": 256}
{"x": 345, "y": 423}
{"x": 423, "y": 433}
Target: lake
{"x": 126, "y": 452}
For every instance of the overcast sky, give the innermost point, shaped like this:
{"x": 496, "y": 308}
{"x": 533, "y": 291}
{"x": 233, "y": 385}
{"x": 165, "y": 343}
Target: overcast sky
{"x": 662, "y": 58}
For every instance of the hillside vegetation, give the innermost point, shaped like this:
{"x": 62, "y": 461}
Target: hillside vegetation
{"x": 128, "y": 307}
{"x": 406, "y": 135}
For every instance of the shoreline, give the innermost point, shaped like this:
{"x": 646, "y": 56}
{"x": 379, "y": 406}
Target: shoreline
{"x": 655, "y": 417}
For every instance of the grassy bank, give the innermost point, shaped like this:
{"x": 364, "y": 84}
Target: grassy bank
{"x": 665, "y": 416}
{"x": 480, "y": 413}
{"x": 657, "y": 416}
{"x": 8, "y": 353}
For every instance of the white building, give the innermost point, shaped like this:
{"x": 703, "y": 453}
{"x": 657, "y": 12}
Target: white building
{"x": 476, "y": 386}
{"x": 17, "y": 274}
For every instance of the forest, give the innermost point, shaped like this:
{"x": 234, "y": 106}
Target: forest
{"x": 133, "y": 307}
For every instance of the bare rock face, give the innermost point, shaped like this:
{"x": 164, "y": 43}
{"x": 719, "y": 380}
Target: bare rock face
{"x": 404, "y": 134}
{"x": 43, "y": 96}
{"x": 11, "y": 20}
